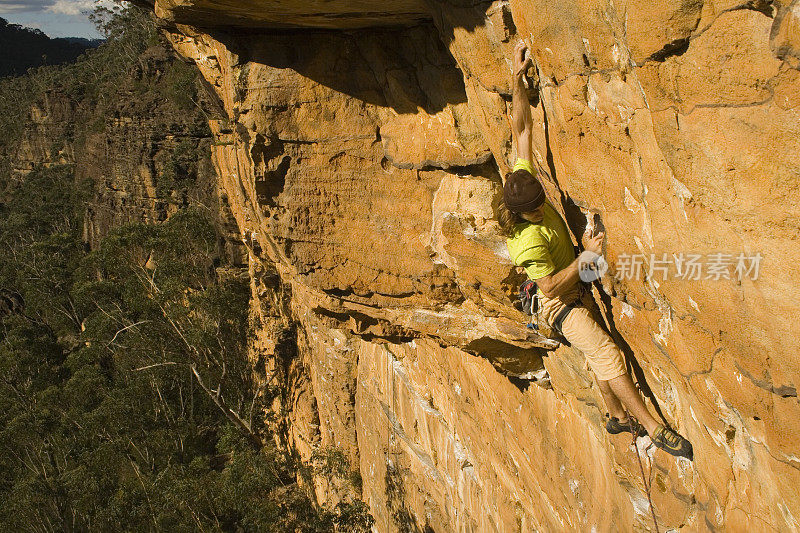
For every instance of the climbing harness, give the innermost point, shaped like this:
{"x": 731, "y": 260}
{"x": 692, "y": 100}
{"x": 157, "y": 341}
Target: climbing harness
{"x": 529, "y": 298}
{"x": 558, "y": 321}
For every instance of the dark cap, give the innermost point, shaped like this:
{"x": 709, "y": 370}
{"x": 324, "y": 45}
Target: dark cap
{"x": 522, "y": 192}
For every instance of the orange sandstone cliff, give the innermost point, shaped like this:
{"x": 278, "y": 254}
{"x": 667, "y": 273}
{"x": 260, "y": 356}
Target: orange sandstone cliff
{"x": 361, "y": 146}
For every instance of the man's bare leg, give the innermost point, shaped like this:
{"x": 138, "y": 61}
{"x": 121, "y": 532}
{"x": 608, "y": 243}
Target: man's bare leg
{"x": 613, "y": 404}
{"x": 624, "y": 391}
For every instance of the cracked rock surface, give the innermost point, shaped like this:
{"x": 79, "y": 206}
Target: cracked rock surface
{"x": 363, "y": 161}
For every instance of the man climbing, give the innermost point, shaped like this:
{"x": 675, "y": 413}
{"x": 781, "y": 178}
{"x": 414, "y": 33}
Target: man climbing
{"x": 539, "y": 241}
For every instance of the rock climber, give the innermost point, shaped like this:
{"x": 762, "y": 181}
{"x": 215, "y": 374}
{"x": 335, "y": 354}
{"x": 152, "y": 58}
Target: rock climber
{"x": 538, "y": 240}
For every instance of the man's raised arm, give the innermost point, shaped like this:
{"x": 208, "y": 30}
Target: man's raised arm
{"x": 522, "y": 123}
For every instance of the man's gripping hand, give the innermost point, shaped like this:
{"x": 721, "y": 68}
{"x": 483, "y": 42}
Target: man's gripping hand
{"x": 521, "y": 63}
{"x": 593, "y": 243}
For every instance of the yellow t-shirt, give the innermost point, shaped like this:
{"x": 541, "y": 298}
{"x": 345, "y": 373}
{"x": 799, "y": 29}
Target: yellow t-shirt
{"x": 542, "y": 248}
{"x": 524, "y": 164}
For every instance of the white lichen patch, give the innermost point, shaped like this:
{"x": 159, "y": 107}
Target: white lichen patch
{"x": 739, "y": 449}
{"x": 643, "y": 447}
{"x": 694, "y": 416}
{"x": 640, "y": 505}
{"x": 719, "y": 439}
{"x": 615, "y": 55}
{"x": 684, "y": 194}
{"x": 501, "y": 252}
{"x": 639, "y": 245}
{"x": 788, "y": 517}
{"x": 681, "y": 191}
{"x": 589, "y": 222}
{"x": 626, "y": 311}
{"x": 625, "y": 113}
{"x": 685, "y": 467}
{"x": 591, "y": 97}
{"x": 665, "y": 325}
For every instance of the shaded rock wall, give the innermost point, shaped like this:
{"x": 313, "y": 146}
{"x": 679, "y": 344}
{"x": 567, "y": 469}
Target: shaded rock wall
{"x": 363, "y": 168}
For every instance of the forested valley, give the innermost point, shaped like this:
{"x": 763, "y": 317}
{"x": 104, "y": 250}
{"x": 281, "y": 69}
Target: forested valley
{"x": 127, "y": 397}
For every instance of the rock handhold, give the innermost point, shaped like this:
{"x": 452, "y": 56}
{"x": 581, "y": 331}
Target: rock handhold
{"x": 784, "y": 38}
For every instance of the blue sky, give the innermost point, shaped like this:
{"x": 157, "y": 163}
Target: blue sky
{"x": 57, "y": 18}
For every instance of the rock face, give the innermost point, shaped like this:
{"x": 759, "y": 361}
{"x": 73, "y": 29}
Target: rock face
{"x": 363, "y": 168}
{"x": 277, "y": 14}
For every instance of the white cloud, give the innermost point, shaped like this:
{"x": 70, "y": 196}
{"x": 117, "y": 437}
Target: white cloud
{"x": 56, "y": 18}
{"x": 71, "y": 7}
{"x": 62, "y": 7}
{"x": 74, "y": 7}
{"x": 21, "y": 7}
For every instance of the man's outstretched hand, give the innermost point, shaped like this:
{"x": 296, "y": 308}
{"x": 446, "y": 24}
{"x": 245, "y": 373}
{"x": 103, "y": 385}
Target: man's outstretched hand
{"x": 521, "y": 64}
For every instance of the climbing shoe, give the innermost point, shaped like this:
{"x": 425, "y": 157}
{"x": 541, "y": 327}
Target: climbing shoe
{"x": 672, "y": 443}
{"x": 614, "y": 426}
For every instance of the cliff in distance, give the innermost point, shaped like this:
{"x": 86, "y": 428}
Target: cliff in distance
{"x": 129, "y": 118}
{"x": 361, "y": 146}
{"x": 27, "y": 47}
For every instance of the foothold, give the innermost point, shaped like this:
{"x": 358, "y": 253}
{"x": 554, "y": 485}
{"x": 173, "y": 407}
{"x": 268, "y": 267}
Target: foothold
{"x": 730, "y": 434}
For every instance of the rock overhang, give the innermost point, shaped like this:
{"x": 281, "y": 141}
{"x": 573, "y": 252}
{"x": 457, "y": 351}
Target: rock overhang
{"x": 277, "y": 14}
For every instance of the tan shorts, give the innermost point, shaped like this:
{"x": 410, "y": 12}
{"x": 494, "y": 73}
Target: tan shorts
{"x": 583, "y": 332}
